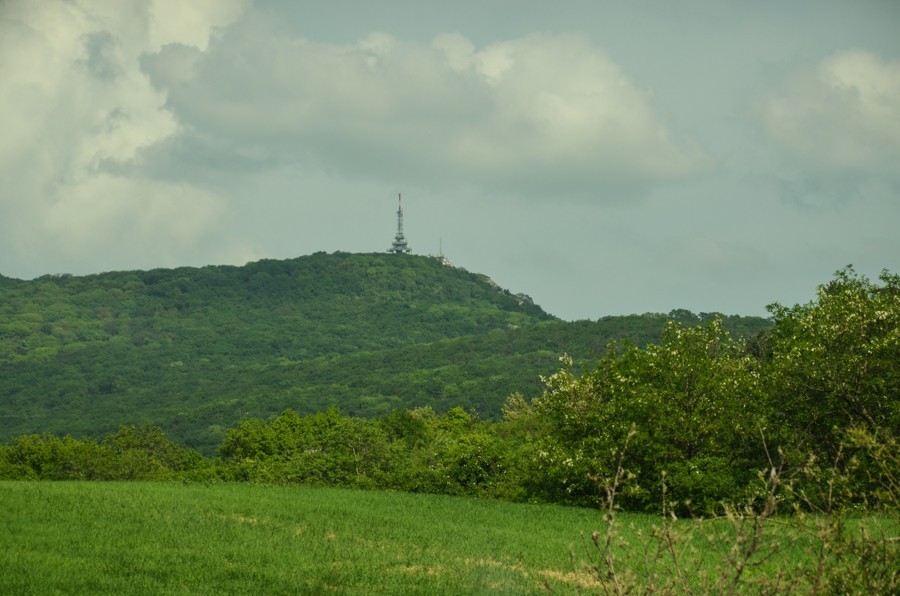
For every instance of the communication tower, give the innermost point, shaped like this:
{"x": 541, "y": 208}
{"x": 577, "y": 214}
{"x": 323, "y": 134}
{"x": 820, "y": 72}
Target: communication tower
{"x": 399, "y": 246}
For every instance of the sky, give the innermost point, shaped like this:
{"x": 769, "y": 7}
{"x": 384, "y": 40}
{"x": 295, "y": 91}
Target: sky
{"x": 602, "y": 157}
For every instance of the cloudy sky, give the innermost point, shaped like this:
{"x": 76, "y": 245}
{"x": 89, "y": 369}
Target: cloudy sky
{"x": 602, "y": 157}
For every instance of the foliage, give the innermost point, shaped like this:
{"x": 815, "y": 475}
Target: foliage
{"x": 694, "y": 400}
{"x": 196, "y": 350}
{"x": 779, "y": 441}
{"x": 697, "y": 407}
{"x": 414, "y": 451}
{"x": 835, "y": 360}
{"x": 322, "y": 448}
{"x": 820, "y": 549}
{"x": 132, "y": 453}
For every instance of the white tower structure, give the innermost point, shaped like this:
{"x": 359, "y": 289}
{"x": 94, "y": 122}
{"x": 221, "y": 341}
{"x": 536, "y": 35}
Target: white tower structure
{"x": 399, "y": 246}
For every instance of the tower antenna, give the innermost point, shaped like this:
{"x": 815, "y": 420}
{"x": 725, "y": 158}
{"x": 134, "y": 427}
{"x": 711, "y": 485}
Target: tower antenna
{"x": 399, "y": 246}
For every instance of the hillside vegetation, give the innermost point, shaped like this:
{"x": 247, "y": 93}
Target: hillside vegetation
{"x": 693, "y": 417}
{"x": 783, "y": 448}
{"x": 195, "y": 350}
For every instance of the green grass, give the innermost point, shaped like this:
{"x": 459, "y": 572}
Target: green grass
{"x": 170, "y": 538}
{"x": 132, "y": 537}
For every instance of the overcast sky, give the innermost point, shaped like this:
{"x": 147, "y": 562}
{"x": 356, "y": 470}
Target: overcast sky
{"x": 602, "y": 157}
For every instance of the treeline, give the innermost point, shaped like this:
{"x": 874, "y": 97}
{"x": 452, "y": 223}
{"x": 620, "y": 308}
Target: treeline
{"x": 699, "y": 413}
{"x": 132, "y": 453}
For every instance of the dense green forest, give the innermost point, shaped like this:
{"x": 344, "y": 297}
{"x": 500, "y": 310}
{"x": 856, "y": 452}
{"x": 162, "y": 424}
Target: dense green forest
{"x": 698, "y": 419}
{"x": 196, "y": 350}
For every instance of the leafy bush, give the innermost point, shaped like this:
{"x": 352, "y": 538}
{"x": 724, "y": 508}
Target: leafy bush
{"x": 132, "y": 453}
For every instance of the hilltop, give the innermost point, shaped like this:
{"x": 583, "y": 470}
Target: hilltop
{"x": 197, "y": 349}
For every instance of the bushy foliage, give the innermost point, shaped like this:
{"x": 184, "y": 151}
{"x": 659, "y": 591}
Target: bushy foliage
{"x": 705, "y": 405}
{"x": 835, "y": 361}
{"x": 694, "y": 399}
{"x": 132, "y": 453}
{"x": 825, "y": 546}
{"x": 414, "y": 451}
{"x": 324, "y": 448}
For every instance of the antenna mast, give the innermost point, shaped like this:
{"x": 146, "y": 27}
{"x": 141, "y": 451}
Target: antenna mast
{"x": 399, "y": 246}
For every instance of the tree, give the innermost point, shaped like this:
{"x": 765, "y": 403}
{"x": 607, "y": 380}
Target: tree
{"x": 144, "y": 453}
{"x": 325, "y": 448}
{"x": 694, "y": 399}
{"x": 835, "y": 360}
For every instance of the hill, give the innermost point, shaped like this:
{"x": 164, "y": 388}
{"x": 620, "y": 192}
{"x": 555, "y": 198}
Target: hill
{"x": 197, "y": 349}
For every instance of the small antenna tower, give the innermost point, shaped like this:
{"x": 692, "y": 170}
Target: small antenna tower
{"x": 441, "y": 258}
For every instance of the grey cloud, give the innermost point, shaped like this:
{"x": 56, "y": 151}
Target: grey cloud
{"x": 100, "y": 47}
{"x": 834, "y": 132}
{"x": 843, "y": 114}
{"x": 531, "y": 114}
{"x": 193, "y": 158}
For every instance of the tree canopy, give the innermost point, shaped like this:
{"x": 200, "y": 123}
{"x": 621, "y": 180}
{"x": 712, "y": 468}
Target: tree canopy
{"x": 196, "y": 350}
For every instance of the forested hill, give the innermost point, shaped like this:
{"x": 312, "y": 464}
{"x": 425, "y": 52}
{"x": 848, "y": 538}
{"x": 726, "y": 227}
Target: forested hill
{"x": 196, "y": 349}
{"x": 310, "y": 306}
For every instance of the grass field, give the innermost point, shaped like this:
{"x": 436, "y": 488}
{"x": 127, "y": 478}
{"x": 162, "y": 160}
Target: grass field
{"x": 239, "y": 538}
{"x": 81, "y": 537}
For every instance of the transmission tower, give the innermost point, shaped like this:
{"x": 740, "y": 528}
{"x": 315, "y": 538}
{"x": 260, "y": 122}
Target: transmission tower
{"x": 399, "y": 246}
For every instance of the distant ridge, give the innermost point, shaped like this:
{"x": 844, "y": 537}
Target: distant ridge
{"x": 196, "y": 349}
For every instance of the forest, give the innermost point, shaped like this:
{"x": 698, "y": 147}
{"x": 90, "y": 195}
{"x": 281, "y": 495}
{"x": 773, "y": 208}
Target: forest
{"x": 693, "y": 417}
{"x": 196, "y": 350}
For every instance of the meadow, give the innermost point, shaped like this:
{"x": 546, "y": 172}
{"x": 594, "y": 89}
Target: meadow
{"x": 168, "y": 537}
{"x": 85, "y": 537}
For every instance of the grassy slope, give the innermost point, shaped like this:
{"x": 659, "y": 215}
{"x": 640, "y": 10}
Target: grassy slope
{"x": 154, "y": 537}
{"x": 81, "y": 537}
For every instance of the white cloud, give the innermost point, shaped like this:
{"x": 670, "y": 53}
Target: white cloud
{"x": 527, "y": 114}
{"x": 73, "y": 99}
{"x": 844, "y": 114}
